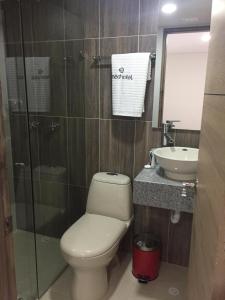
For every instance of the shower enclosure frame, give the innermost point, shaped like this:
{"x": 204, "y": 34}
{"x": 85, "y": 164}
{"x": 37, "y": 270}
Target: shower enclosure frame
{"x": 7, "y": 262}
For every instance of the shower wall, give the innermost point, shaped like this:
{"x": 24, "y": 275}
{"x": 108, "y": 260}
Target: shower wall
{"x": 60, "y": 130}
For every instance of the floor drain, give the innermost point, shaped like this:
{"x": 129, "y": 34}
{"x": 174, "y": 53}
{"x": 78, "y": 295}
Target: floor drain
{"x": 173, "y": 291}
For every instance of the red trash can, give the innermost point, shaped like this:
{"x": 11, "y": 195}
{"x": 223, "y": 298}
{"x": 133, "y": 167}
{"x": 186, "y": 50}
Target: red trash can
{"x": 146, "y": 257}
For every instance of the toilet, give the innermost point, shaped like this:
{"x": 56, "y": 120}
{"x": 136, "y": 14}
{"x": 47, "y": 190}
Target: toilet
{"x": 90, "y": 244}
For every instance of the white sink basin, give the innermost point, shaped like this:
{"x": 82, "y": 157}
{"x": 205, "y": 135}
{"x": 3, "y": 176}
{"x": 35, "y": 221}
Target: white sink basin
{"x": 179, "y": 163}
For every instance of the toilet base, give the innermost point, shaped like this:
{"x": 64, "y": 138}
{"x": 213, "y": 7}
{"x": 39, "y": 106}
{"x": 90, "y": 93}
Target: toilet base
{"x": 89, "y": 284}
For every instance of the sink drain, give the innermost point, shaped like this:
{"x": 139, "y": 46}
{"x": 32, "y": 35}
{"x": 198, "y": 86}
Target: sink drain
{"x": 173, "y": 291}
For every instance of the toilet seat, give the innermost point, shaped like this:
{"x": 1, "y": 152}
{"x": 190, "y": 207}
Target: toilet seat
{"x": 92, "y": 236}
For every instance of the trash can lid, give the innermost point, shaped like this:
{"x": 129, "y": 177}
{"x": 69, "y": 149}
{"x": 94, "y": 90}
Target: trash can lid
{"x": 146, "y": 242}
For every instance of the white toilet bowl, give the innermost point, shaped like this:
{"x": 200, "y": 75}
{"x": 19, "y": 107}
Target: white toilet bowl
{"x": 90, "y": 244}
{"x": 90, "y": 275}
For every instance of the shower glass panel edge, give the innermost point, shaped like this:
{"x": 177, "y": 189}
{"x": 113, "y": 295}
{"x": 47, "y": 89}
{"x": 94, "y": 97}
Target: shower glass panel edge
{"x": 18, "y": 149}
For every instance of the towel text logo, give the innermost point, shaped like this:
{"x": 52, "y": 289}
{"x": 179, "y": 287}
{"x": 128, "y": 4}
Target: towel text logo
{"x": 120, "y": 76}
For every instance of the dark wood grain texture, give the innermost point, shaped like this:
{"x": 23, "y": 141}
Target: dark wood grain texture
{"x": 215, "y": 78}
{"x": 76, "y": 150}
{"x": 206, "y": 277}
{"x": 187, "y": 138}
{"x": 73, "y": 18}
{"x": 149, "y": 16}
{"x": 75, "y": 78}
{"x": 91, "y": 79}
{"x": 11, "y": 21}
{"x": 119, "y": 18}
{"x": 54, "y": 197}
{"x": 47, "y": 20}
{"x": 179, "y": 240}
{"x": 76, "y": 203}
{"x": 19, "y": 136}
{"x": 55, "y": 52}
{"x": 7, "y": 280}
{"x": 146, "y": 138}
{"x": 52, "y": 143}
{"x": 90, "y": 9}
{"x": 207, "y": 272}
{"x": 117, "y": 146}
{"x": 91, "y": 148}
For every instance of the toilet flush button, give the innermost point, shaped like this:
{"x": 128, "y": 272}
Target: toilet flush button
{"x": 173, "y": 291}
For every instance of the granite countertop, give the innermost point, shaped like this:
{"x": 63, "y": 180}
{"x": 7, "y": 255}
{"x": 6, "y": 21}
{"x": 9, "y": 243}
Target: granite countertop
{"x": 152, "y": 188}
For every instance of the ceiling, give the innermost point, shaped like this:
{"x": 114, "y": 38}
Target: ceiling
{"x": 189, "y": 13}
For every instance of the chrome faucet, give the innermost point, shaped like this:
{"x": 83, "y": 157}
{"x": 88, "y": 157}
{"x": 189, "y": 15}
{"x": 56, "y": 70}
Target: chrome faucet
{"x": 167, "y": 139}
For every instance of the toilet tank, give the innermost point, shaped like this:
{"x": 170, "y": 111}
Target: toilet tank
{"x": 110, "y": 195}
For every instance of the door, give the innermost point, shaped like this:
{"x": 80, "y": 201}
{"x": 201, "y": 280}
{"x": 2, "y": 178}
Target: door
{"x": 207, "y": 263}
{"x": 7, "y": 270}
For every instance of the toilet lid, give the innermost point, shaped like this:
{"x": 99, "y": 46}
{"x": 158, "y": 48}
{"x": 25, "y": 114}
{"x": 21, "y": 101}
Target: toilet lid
{"x": 92, "y": 235}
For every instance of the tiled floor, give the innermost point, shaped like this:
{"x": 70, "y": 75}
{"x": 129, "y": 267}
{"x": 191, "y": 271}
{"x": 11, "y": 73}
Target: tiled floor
{"x": 123, "y": 286}
{"x": 48, "y": 254}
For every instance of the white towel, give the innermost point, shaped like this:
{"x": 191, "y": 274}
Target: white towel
{"x": 38, "y": 83}
{"x": 130, "y": 73}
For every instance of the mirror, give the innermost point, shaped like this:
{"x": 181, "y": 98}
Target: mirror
{"x": 181, "y": 59}
{"x": 184, "y": 80}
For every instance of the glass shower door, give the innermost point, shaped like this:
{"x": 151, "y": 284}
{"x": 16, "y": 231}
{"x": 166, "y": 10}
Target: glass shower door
{"x": 45, "y": 69}
{"x": 44, "y": 92}
{"x": 12, "y": 76}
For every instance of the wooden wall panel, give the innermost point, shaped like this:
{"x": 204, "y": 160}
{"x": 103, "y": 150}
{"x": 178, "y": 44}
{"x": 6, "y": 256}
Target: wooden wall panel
{"x": 7, "y": 271}
{"x": 207, "y": 251}
{"x": 207, "y": 263}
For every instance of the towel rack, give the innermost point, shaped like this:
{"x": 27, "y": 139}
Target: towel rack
{"x": 99, "y": 59}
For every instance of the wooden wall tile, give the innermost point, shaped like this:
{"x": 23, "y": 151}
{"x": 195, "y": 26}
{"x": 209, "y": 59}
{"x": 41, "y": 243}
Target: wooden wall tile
{"x": 117, "y": 146}
{"x": 76, "y": 150}
{"x": 187, "y": 138}
{"x": 75, "y": 78}
{"x": 146, "y": 138}
{"x": 180, "y": 240}
{"x": 91, "y": 79}
{"x": 91, "y": 148}
{"x": 215, "y": 77}
{"x": 149, "y": 16}
{"x": 47, "y": 20}
{"x": 119, "y": 17}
